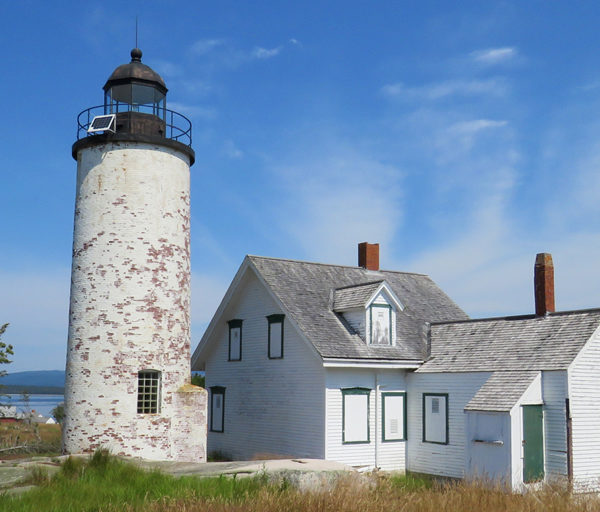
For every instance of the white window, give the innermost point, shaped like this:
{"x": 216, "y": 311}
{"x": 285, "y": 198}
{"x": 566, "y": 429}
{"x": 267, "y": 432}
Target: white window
{"x": 235, "y": 340}
{"x": 393, "y": 406}
{"x": 380, "y": 319}
{"x": 435, "y": 418}
{"x": 275, "y": 343}
{"x": 217, "y": 409}
{"x": 355, "y": 415}
{"x": 148, "y": 398}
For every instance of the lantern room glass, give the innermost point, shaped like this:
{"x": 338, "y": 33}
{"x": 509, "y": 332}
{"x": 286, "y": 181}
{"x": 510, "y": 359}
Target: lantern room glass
{"x": 135, "y": 97}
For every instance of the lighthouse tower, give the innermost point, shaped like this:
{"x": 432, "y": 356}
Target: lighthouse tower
{"x": 128, "y": 358}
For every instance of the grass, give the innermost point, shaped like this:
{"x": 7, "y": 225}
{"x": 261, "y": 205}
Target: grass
{"x": 21, "y": 437}
{"x": 109, "y": 484}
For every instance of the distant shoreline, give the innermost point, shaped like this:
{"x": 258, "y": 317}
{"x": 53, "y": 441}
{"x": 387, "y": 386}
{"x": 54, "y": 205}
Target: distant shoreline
{"x": 10, "y": 389}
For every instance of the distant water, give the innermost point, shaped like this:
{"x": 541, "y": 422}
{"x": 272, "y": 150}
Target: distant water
{"x": 42, "y": 404}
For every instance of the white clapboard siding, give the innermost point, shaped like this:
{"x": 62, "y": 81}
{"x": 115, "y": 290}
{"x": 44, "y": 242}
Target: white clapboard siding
{"x": 390, "y": 455}
{"x": 272, "y": 406}
{"x": 554, "y": 392}
{"x": 440, "y": 459}
{"x": 584, "y": 394}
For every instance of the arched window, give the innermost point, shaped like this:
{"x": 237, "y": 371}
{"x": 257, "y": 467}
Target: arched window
{"x": 148, "y": 401}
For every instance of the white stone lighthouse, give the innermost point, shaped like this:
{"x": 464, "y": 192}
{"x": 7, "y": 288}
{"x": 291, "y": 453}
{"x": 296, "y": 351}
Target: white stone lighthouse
{"x": 128, "y": 358}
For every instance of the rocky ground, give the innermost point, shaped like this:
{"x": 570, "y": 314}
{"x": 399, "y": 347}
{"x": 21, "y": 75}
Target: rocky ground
{"x": 301, "y": 473}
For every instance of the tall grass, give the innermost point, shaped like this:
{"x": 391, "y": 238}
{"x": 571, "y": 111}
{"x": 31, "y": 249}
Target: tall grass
{"x": 105, "y": 483}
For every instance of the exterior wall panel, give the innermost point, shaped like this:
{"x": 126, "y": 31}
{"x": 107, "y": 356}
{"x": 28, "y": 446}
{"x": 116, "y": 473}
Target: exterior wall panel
{"x": 584, "y": 394}
{"x": 440, "y": 459}
{"x": 390, "y": 455}
{"x": 273, "y": 407}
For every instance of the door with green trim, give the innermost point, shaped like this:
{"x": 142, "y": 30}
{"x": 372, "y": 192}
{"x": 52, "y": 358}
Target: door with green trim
{"x": 533, "y": 443}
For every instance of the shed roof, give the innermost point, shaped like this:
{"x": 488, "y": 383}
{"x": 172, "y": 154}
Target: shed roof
{"x": 501, "y": 391}
{"x": 531, "y": 342}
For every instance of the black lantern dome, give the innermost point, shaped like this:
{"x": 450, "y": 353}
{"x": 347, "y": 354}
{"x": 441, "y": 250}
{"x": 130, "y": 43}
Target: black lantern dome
{"x": 135, "y": 86}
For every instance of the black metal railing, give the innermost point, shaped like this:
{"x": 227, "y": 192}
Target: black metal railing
{"x": 178, "y": 127}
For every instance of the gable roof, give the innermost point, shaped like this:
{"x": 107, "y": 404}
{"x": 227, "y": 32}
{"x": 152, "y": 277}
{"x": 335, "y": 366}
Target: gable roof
{"x": 501, "y": 391}
{"x": 531, "y": 342}
{"x": 306, "y": 289}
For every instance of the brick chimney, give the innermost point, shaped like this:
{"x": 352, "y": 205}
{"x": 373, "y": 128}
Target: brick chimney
{"x": 544, "y": 284}
{"x": 368, "y": 256}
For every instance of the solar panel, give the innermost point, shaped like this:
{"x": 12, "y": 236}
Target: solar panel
{"x": 102, "y": 123}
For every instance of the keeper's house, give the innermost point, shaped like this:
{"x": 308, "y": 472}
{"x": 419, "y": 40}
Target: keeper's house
{"x": 379, "y": 368}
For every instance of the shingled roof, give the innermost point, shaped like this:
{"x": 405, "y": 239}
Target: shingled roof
{"x": 531, "y": 342}
{"x": 501, "y": 391}
{"x": 306, "y": 291}
{"x": 354, "y": 296}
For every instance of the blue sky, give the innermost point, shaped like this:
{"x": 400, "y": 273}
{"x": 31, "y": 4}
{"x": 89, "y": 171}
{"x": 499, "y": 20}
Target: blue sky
{"x": 464, "y": 137}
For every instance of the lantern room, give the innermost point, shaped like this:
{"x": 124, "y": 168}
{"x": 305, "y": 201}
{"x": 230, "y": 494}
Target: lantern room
{"x": 135, "y": 87}
{"x": 134, "y": 109}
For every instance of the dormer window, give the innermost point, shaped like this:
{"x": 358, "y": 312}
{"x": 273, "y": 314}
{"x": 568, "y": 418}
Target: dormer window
{"x": 380, "y": 316}
{"x": 369, "y": 310}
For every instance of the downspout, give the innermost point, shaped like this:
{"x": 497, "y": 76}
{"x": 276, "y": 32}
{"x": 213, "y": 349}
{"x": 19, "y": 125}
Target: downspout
{"x": 569, "y": 420}
{"x": 376, "y": 417}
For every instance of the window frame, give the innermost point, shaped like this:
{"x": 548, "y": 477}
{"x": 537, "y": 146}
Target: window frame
{"x": 404, "y": 418}
{"x": 234, "y": 324}
{"x": 143, "y": 392}
{"x": 217, "y": 390}
{"x": 424, "y": 418}
{"x": 275, "y": 319}
{"x": 391, "y": 335}
{"x": 356, "y": 391}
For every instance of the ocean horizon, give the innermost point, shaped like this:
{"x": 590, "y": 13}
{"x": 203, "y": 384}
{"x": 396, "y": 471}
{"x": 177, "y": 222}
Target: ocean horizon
{"x": 41, "y": 404}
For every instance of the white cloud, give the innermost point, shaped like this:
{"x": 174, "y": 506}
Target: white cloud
{"x": 196, "y": 111}
{"x": 461, "y": 137}
{"x": 204, "y": 46}
{"x": 167, "y": 69}
{"x": 441, "y": 90}
{"x": 491, "y": 56}
{"x": 265, "y": 53}
{"x": 329, "y": 204}
{"x": 231, "y": 151}
{"x": 295, "y": 42}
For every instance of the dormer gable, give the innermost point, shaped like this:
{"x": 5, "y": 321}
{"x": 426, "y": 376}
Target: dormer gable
{"x": 370, "y": 309}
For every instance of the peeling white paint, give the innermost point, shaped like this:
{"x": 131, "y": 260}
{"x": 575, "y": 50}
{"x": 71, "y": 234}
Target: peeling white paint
{"x": 130, "y": 305}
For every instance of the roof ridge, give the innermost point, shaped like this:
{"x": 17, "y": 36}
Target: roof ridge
{"x": 518, "y": 317}
{"x": 333, "y": 265}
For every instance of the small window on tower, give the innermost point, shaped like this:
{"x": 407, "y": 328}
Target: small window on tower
{"x": 148, "y": 401}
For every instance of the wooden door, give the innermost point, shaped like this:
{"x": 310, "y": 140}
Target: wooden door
{"x": 533, "y": 443}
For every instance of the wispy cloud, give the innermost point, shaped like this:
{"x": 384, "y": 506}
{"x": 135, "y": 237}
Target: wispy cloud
{"x": 492, "y": 56}
{"x": 204, "y": 46}
{"x": 441, "y": 90}
{"x": 331, "y": 202}
{"x": 197, "y": 111}
{"x": 265, "y": 53}
{"x": 232, "y": 151}
{"x": 295, "y": 42}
